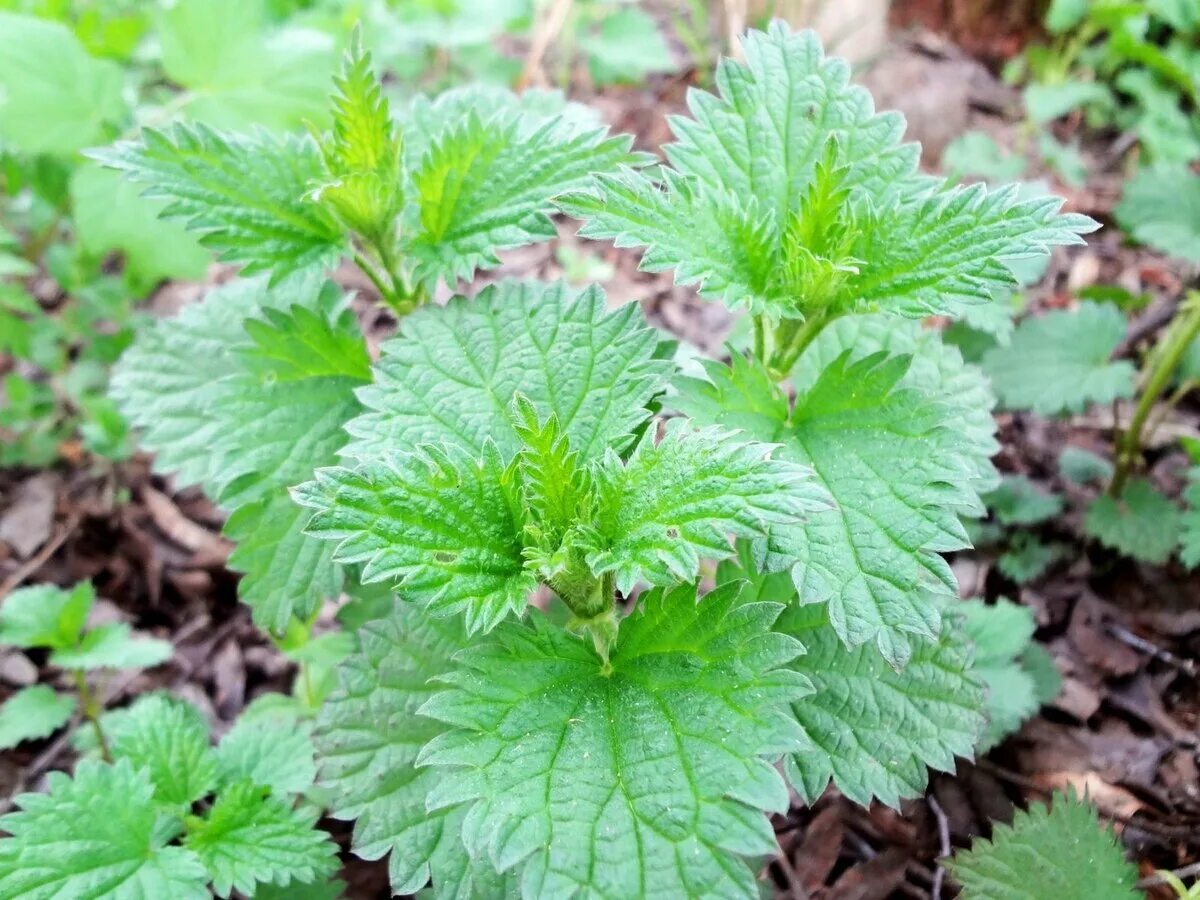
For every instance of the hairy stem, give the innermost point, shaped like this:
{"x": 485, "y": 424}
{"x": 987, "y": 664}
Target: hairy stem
{"x": 760, "y": 338}
{"x": 792, "y": 337}
{"x": 91, "y": 712}
{"x": 1160, "y": 367}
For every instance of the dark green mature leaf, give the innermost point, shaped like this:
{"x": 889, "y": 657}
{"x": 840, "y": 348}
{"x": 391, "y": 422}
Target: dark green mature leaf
{"x": 1142, "y": 523}
{"x": 270, "y": 751}
{"x": 1059, "y": 851}
{"x": 246, "y": 195}
{"x": 369, "y": 735}
{"x": 245, "y": 393}
{"x": 1019, "y": 501}
{"x": 664, "y": 809}
{"x": 790, "y": 195}
{"x": 1189, "y": 550}
{"x": 93, "y": 837}
{"x": 451, "y": 373}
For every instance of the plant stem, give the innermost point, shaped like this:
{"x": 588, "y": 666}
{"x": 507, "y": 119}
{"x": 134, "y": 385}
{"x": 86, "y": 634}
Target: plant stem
{"x": 792, "y": 339}
{"x": 760, "y": 338}
{"x": 91, "y": 712}
{"x": 1161, "y": 365}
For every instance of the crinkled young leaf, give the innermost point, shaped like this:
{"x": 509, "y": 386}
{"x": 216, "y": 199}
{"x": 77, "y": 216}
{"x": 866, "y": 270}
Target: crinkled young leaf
{"x": 249, "y": 837}
{"x": 1161, "y": 207}
{"x": 93, "y": 837}
{"x": 245, "y": 195}
{"x": 451, "y": 373}
{"x": 168, "y": 739}
{"x": 1060, "y": 851}
{"x": 899, "y": 467}
{"x": 613, "y": 781}
{"x": 676, "y": 502}
{"x": 789, "y": 194}
{"x": 485, "y": 185}
{"x": 1059, "y": 362}
{"x": 368, "y": 736}
{"x": 874, "y": 731}
{"x": 44, "y": 615}
{"x": 270, "y": 751}
{"x": 1142, "y": 523}
{"x": 245, "y": 393}
{"x": 32, "y": 713}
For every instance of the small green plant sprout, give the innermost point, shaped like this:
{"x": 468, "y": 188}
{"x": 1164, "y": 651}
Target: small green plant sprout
{"x": 45, "y": 617}
{"x": 159, "y": 812}
{"x": 1018, "y": 506}
{"x": 431, "y": 198}
{"x": 1058, "y": 851}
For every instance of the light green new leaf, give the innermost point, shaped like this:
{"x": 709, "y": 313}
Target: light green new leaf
{"x": 113, "y": 647}
{"x": 789, "y": 195}
{"x": 33, "y": 713}
{"x": 94, "y": 837}
{"x": 876, "y": 732}
{"x": 247, "y": 196}
{"x": 1059, "y": 362}
{"x": 45, "y": 616}
{"x": 249, "y": 837}
{"x": 270, "y": 751}
{"x": 1160, "y": 207}
{"x": 485, "y": 185}
{"x": 1019, "y": 501}
{"x": 54, "y": 97}
{"x": 451, "y": 373}
{"x": 900, "y": 467}
{"x": 610, "y": 780}
{"x": 1142, "y": 523}
{"x": 676, "y": 502}
{"x": 168, "y": 739}
{"x": 443, "y": 525}
{"x": 1060, "y": 851}
{"x": 368, "y": 760}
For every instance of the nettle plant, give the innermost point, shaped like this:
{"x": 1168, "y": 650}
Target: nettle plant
{"x": 552, "y": 703}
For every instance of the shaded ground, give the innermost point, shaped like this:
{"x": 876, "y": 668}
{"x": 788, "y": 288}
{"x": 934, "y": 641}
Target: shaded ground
{"x": 1125, "y": 637}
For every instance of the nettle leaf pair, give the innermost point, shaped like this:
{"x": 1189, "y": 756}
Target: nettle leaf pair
{"x": 525, "y": 720}
{"x": 125, "y": 827}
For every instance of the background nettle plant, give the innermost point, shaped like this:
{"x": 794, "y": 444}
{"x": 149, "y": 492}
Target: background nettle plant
{"x": 547, "y": 698}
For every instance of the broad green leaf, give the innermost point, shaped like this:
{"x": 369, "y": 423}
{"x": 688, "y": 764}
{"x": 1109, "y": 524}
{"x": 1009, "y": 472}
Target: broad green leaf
{"x": 247, "y": 197}
{"x": 1142, "y": 523}
{"x": 443, "y": 525}
{"x": 1027, "y": 558}
{"x": 94, "y": 837}
{"x": 451, "y": 373}
{"x": 1083, "y": 466}
{"x": 168, "y": 740}
{"x": 244, "y": 394}
{"x": 45, "y": 616}
{"x": 1046, "y": 102}
{"x": 1189, "y": 550}
{"x": 977, "y": 153}
{"x": 109, "y": 215}
{"x": 270, "y": 751}
{"x": 874, "y": 731}
{"x": 249, "y": 837}
{"x": 900, "y": 467}
{"x": 1019, "y": 501}
{"x": 1160, "y": 207}
{"x": 1059, "y": 851}
{"x": 485, "y": 185}
{"x": 626, "y": 47}
{"x": 54, "y": 97}
{"x": 368, "y": 736}
{"x": 789, "y": 195}
{"x": 1063, "y": 15}
{"x": 607, "y": 779}
{"x": 112, "y": 647}
{"x": 1059, "y": 362}
{"x": 33, "y": 713}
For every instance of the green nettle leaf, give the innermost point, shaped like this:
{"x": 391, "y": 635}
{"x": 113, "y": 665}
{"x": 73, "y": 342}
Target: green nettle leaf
{"x": 168, "y": 740}
{"x": 369, "y": 734}
{"x": 33, "y": 713}
{"x": 249, "y": 837}
{"x": 1003, "y": 637}
{"x": 1142, "y": 523}
{"x": 94, "y": 837}
{"x": 1019, "y": 501}
{"x": 244, "y": 394}
{"x": 872, "y": 730}
{"x": 1161, "y": 207}
{"x": 45, "y": 616}
{"x": 1027, "y": 558}
{"x": 451, "y": 373}
{"x": 245, "y": 195}
{"x": 113, "y": 647}
{"x": 890, "y": 449}
{"x": 1083, "y": 466}
{"x": 54, "y": 97}
{"x": 1059, "y": 362}
{"x": 605, "y": 778}
{"x": 790, "y": 195}
{"x": 268, "y": 751}
{"x": 1058, "y": 851}
{"x": 1189, "y": 528}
